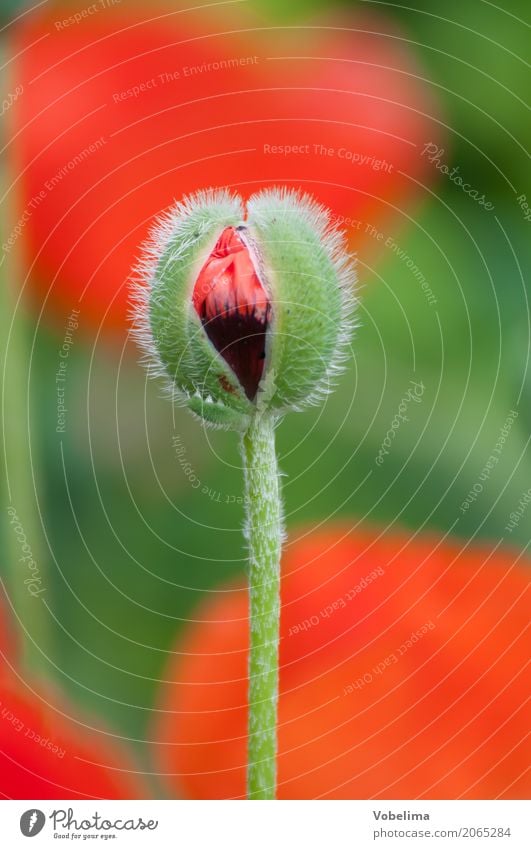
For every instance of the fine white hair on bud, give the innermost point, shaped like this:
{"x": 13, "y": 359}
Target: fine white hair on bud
{"x": 244, "y": 307}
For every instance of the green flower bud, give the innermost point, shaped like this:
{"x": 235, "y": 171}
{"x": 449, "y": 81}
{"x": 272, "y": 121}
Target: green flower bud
{"x": 245, "y": 308}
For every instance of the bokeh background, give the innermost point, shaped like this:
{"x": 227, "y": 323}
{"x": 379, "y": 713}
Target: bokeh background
{"x": 132, "y": 510}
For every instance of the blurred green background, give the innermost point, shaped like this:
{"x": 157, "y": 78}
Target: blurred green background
{"x": 128, "y": 544}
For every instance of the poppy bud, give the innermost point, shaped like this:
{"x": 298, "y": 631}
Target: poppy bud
{"x": 244, "y": 308}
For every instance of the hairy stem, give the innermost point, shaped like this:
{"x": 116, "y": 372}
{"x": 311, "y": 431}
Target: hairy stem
{"x": 264, "y": 532}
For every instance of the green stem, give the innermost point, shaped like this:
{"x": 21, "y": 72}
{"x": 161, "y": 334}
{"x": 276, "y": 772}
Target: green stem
{"x": 264, "y": 533}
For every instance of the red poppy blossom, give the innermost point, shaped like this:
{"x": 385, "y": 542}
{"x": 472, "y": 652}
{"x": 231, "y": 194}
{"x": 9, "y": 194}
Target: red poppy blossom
{"x": 46, "y": 754}
{"x": 48, "y": 751}
{"x": 402, "y": 675}
{"x": 120, "y": 116}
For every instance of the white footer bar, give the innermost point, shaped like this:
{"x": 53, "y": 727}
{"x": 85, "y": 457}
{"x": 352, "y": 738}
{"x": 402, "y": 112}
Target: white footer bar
{"x": 267, "y": 825}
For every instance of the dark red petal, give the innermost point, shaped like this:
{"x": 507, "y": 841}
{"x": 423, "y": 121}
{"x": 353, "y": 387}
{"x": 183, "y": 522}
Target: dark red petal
{"x": 234, "y": 308}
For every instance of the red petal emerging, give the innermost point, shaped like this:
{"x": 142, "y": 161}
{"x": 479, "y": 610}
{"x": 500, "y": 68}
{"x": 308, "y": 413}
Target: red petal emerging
{"x": 234, "y": 308}
{"x": 402, "y": 675}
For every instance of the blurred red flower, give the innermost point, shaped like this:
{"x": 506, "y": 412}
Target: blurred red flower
{"x": 120, "y": 116}
{"x": 402, "y": 675}
{"x": 49, "y": 751}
